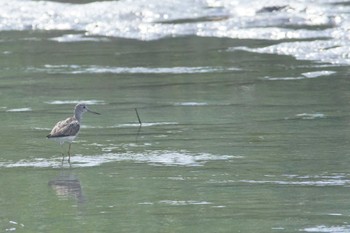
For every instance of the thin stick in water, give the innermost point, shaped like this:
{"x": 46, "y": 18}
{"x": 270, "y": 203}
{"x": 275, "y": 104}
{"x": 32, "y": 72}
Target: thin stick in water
{"x": 138, "y": 117}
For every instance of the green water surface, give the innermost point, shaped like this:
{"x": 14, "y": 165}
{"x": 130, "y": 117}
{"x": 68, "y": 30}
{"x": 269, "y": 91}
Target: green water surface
{"x": 240, "y": 142}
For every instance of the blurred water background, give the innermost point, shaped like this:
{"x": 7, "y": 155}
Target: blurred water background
{"x": 244, "y": 104}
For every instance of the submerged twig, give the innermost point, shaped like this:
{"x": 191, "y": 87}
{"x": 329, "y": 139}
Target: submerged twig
{"x": 138, "y": 116}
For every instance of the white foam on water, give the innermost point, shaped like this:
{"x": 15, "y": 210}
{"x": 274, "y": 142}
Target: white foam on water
{"x": 155, "y": 158}
{"x": 310, "y": 116}
{"x": 183, "y": 203}
{"x": 94, "y": 69}
{"x": 283, "y": 78}
{"x": 41, "y": 128}
{"x": 328, "y": 229}
{"x": 316, "y": 74}
{"x": 306, "y": 75}
{"x": 335, "y": 214}
{"x": 77, "y": 38}
{"x": 191, "y": 104}
{"x": 19, "y": 110}
{"x": 146, "y": 203}
{"x": 295, "y": 180}
{"x": 318, "y": 29}
{"x": 144, "y": 124}
{"x": 151, "y": 19}
{"x": 301, "y": 183}
{"x": 89, "y": 102}
{"x": 325, "y": 51}
{"x": 13, "y": 226}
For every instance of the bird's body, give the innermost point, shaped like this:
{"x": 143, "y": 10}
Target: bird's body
{"x": 65, "y": 131}
{"x": 68, "y": 129}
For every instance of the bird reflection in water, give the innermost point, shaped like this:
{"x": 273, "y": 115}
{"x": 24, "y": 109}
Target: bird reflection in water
{"x": 67, "y": 186}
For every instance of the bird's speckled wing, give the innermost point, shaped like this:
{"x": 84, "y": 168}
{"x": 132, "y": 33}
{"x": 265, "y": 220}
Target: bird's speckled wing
{"x": 65, "y": 128}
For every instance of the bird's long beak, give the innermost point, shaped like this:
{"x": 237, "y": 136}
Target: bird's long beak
{"x": 93, "y": 111}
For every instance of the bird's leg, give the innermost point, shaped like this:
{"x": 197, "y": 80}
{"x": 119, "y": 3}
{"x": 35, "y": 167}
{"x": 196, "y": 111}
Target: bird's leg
{"x": 69, "y": 152}
{"x": 62, "y": 152}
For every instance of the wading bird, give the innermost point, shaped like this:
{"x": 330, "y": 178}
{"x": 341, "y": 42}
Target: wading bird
{"x": 68, "y": 129}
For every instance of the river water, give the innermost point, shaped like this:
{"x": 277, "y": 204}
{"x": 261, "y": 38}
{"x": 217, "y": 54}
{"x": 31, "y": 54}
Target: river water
{"x": 244, "y": 108}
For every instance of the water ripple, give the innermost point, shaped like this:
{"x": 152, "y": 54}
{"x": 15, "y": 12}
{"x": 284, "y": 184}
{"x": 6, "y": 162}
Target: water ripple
{"x": 180, "y": 203}
{"x": 89, "y": 102}
{"x": 94, "y": 69}
{"x": 155, "y": 158}
{"x": 324, "y": 228}
{"x": 307, "y": 30}
{"x": 307, "y": 75}
{"x": 144, "y": 124}
{"x": 19, "y": 110}
{"x": 191, "y": 104}
{"x": 295, "y": 180}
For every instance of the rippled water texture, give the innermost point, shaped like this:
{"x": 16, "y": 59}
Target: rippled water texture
{"x": 312, "y": 30}
{"x": 244, "y": 109}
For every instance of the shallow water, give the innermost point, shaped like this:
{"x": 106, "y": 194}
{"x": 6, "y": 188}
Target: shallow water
{"x": 235, "y": 136}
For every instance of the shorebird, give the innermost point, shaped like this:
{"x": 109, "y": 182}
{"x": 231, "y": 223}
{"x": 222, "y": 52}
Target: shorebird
{"x": 68, "y": 129}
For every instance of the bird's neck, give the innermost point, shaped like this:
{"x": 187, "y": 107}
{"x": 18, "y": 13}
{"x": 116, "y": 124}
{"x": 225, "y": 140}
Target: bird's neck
{"x": 78, "y": 116}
